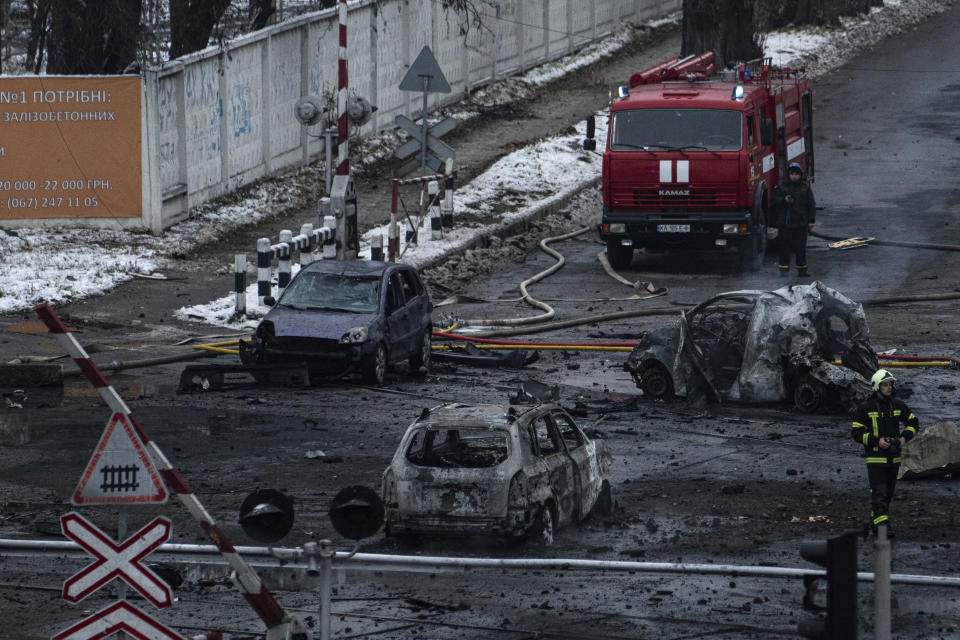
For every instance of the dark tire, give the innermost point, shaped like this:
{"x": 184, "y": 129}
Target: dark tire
{"x": 809, "y": 395}
{"x": 619, "y": 256}
{"x": 421, "y": 357}
{"x": 655, "y": 381}
{"x": 374, "y": 366}
{"x": 605, "y": 504}
{"x": 543, "y": 531}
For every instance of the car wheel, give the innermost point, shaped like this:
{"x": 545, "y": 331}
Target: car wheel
{"x": 809, "y": 394}
{"x": 374, "y": 366}
{"x": 655, "y": 380}
{"x": 605, "y": 504}
{"x": 421, "y": 357}
{"x": 620, "y": 256}
{"x": 544, "y": 528}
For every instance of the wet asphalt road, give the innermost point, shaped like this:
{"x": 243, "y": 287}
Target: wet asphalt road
{"x": 737, "y": 485}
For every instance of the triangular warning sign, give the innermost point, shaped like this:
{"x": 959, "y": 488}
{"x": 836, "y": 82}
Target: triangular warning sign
{"x": 425, "y": 67}
{"x": 120, "y": 470}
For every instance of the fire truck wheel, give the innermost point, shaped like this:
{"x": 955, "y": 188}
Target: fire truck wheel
{"x": 754, "y": 248}
{"x": 620, "y": 256}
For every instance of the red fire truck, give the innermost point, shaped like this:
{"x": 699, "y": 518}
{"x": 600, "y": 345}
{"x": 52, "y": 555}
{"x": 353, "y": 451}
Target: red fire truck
{"x": 692, "y": 155}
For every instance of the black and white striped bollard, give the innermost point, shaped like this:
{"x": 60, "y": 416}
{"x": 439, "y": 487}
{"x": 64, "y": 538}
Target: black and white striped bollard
{"x": 446, "y": 207}
{"x": 283, "y": 262}
{"x": 306, "y": 251}
{"x": 330, "y": 240}
{"x": 433, "y": 193}
{"x": 240, "y": 284}
{"x": 376, "y": 248}
{"x": 263, "y": 269}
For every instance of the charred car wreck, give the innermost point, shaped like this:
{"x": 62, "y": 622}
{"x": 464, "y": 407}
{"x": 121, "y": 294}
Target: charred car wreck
{"x": 505, "y": 471}
{"x": 805, "y": 343}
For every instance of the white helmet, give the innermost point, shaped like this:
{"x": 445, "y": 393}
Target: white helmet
{"x": 882, "y": 375}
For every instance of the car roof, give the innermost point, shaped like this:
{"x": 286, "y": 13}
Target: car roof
{"x": 351, "y": 267}
{"x": 477, "y": 415}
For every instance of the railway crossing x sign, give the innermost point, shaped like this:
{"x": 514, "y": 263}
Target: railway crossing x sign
{"x": 120, "y": 470}
{"x": 119, "y": 616}
{"x": 116, "y": 560}
{"x": 425, "y": 75}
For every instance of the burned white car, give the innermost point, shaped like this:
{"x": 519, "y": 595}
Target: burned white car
{"x": 805, "y": 343}
{"x": 493, "y": 470}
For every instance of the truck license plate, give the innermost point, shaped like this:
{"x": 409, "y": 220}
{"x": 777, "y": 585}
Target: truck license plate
{"x": 673, "y": 228}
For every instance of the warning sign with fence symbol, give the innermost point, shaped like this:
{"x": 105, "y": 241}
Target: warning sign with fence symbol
{"x": 120, "y": 471}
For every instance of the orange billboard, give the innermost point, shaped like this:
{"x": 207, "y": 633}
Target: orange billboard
{"x": 70, "y": 147}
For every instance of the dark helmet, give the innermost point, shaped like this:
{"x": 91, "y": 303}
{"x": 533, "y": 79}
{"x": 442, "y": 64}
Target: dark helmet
{"x": 795, "y": 168}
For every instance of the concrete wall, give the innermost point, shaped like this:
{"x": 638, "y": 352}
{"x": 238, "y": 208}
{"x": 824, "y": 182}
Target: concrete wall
{"x": 223, "y": 117}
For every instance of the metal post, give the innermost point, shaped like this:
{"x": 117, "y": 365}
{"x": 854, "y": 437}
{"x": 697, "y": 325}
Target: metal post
{"x": 424, "y": 128}
{"x": 240, "y": 284}
{"x": 393, "y": 242}
{"x": 328, "y": 134}
{"x": 881, "y": 584}
{"x": 326, "y": 578}
{"x": 376, "y": 247}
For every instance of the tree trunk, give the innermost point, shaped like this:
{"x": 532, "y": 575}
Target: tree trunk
{"x": 92, "y": 37}
{"x": 723, "y": 26}
{"x": 192, "y": 23}
{"x": 262, "y": 13}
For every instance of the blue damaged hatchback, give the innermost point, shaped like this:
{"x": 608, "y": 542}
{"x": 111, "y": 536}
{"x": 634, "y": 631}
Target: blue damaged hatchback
{"x": 341, "y": 316}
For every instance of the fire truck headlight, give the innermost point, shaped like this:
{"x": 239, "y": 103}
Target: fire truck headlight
{"x": 618, "y": 227}
{"x": 731, "y": 228}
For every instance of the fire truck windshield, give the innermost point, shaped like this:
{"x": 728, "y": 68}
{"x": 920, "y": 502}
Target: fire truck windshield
{"x": 676, "y": 130}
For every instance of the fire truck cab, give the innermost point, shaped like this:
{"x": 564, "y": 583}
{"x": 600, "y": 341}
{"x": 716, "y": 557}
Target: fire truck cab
{"x": 691, "y": 156}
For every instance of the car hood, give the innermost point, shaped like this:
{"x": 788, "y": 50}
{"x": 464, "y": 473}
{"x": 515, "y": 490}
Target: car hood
{"x": 329, "y": 325}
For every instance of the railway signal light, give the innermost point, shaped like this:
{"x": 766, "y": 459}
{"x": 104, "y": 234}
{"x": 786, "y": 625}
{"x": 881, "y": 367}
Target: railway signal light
{"x": 838, "y": 556}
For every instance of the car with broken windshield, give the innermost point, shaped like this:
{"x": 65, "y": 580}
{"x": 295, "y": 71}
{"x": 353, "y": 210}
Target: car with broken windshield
{"x": 495, "y": 470}
{"x": 341, "y": 316}
{"x": 805, "y": 343}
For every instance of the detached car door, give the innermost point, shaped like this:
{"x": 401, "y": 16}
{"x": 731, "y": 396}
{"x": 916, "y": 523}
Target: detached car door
{"x": 586, "y": 461}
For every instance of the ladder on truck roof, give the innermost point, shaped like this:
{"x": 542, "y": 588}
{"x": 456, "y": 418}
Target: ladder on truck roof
{"x": 701, "y": 67}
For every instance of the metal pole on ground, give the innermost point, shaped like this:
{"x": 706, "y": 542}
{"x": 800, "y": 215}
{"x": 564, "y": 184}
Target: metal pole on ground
{"x": 330, "y": 241}
{"x": 881, "y": 584}
{"x": 433, "y": 192}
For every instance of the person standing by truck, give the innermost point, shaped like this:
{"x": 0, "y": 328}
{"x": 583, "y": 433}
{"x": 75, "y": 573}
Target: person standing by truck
{"x": 795, "y": 212}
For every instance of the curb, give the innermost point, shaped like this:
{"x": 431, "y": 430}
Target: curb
{"x": 507, "y": 229}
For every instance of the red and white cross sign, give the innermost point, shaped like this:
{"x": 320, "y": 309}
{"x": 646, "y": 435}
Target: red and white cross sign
{"x": 116, "y": 560}
{"x": 119, "y": 616}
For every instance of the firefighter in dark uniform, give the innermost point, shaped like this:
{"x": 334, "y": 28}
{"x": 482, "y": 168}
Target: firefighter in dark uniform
{"x": 795, "y": 213}
{"x": 877, "y": 427}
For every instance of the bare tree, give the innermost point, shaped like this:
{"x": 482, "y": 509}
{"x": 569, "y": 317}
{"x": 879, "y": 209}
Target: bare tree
{"x": 723, "y": 26}
{"x": 92, "y": 37}
{"x": 192, "y": 23}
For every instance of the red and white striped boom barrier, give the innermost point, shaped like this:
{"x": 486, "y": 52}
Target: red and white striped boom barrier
{"x": 279, "y": 624}
{"x": 343, "y": 154}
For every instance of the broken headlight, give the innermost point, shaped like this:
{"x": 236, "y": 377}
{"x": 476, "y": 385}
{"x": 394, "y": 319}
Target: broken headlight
{"x": 357, "y": 334}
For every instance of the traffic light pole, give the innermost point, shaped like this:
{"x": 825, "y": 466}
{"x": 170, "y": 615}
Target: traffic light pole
{"x": 881, "y": 585}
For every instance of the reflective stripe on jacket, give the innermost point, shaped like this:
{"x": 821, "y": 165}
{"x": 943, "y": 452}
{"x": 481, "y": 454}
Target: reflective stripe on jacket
{"x": 879, "y": 418}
